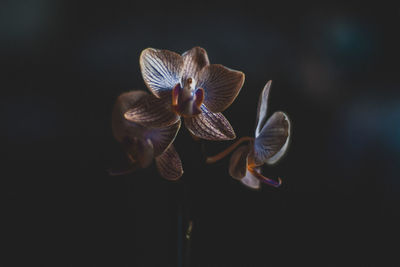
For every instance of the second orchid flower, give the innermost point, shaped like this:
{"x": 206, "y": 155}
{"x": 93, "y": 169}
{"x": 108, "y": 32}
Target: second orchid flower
{"x": 267, "y": 146}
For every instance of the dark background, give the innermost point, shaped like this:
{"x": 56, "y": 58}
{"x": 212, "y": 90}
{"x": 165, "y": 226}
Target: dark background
{"x": 335, "y": 72}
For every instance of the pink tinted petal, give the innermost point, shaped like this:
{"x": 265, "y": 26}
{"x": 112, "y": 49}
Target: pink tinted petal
{"x": 193, "y": 61}
{"x": 161, "y": 70}
{"x": 152, "y": 112}
{"x": 238, "y": 162}
{"x": 272, "y": 138}
{"x": 221, "y": 86}
{"x": 210, "y": 126}
{"x": 161, "y": 138}
{"x": 262, "y": 107}
{"x": 250, "y": 180}
{"x": 169, "y": 164}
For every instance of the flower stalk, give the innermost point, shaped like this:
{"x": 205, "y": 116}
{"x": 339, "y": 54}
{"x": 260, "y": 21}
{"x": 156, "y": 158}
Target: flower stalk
{"x": 224, "y": 153}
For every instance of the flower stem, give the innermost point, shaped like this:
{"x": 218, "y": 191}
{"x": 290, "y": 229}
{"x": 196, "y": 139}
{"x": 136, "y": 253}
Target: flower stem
{"x": 185, "y": 223}
{"x": 224, "y": 153}
{"x": 187, "y": 259}
{"x": 180, "y": 238}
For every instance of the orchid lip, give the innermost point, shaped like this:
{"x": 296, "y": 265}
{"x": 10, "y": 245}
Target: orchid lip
{"x": 187, "y": 101}
{"x": 264, "y": 179}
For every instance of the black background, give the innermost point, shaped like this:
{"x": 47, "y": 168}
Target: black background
{"x": 335, "y": 72}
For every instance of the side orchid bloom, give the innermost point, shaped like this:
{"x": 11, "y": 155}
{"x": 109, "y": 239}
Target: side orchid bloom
{"x": 143, "y": 142}
{"x": 190, "y": 87}
{"x": 268, "y": 146}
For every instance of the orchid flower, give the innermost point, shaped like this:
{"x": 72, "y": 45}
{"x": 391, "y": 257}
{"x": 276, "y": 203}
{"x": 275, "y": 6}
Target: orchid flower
{"x": 188, "y": 86}
{"x": 268, "y": 146}
{"x": 142, "y": 142}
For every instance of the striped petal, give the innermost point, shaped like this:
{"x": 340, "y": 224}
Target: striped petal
{"x": 210, "y": 126}
{"x": 153, "y": 112}
{"x": 194, "y": 60}
{"x": 169, "y": 164}
{"x": 161, "y": 70}
{"x": 161, "y": 138}
{"x": 238, "y": 162}
{"x": 141, "y": 143}
{"x": 221, "y": 86}
{"x": 262, "y": 107}
{"x": 273, "y": 139}
{"x": 275, "y": 158}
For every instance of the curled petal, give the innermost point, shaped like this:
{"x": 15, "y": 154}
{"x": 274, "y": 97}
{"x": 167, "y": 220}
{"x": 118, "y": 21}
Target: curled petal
{"x": 169, "y": 164}
{"x": 221, "y": 86}
{"x": 194, "y": 60}
{"x": 161, "y": 138}
{"x": 262, "y": 107}
{"x": 273, "y": 139}
{"x": 264, "y": 179}
{"x": 250, "y": 180}
{"x": 161, "y": 70}
{"x": 152, "y": 112}
{"x": 210, "y": 126}
{"x": 238, "y": 162}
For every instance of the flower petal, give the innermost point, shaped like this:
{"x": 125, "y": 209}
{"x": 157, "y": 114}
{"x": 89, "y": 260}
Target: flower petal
{"x": 194, "y": 60}
{"x": 250, "y": 180}
{"x": 161, "y": 70}
{"x": 169, "y": 164}
{"x": 152, "y": 111}
{"x": 262, "y": 107}
{"x": 238, "y": 162}
{"x": 161, "y": 138}
{"x": 210, "y": 126}
{"x": 272, "y": 139}
{"x": 140, "y": 151}
{"x": 221, "y": 86}
{"x": 120, "y": 125}
{"x": 275, "y": 158}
